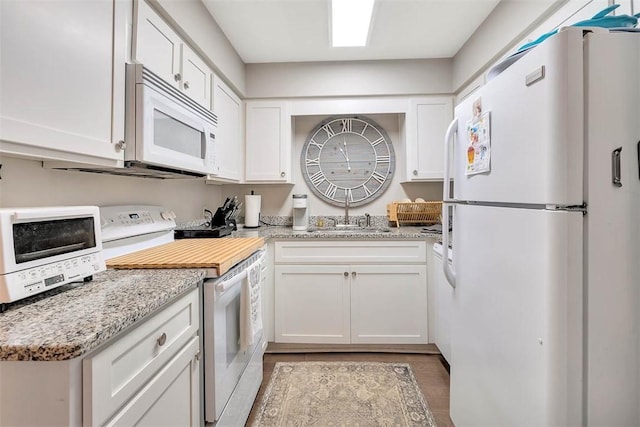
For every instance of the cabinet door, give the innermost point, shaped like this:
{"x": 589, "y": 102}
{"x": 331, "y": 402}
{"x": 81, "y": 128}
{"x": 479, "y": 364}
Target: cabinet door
{"x": 62, "y": 78}
{"x": 389, "y": 304}
{"x": 426, "y": 124}
{"x": 312, "y": 304}
{"x": 156, "y": 44}
{"x": 268, "y": 143}
{"x": 196, "y": 77}
{"x": 228, "y": 107}
{"x": 171, "y": 398}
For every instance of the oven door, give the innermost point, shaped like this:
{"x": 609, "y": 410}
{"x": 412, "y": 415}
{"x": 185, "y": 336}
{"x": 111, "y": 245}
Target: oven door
{"x": 170, "y": 134}
{"x": 224, "y": 361}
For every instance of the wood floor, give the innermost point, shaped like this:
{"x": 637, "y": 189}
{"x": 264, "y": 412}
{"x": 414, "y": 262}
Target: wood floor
{"x": 429, "y": 370}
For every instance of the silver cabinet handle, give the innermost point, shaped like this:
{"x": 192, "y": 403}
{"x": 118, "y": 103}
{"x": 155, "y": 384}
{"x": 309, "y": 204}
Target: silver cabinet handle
{"x": 282, "y": 174}
{"x": 162, "y": 339}
{"x": 186, "y": 85}
{"x": 415, "y": 172}
{"x": 616, "y": 173}
{"x": 177, "y": 76}
{"x": 121, "y": 145}
{"x": 353, "y": 274}
{"x": 346, "y": 274}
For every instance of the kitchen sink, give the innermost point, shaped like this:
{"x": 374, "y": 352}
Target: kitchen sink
{"x": 348, "y": 230}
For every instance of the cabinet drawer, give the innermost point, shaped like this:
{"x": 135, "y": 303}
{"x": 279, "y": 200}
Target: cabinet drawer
{"x": 396, "y": 251}
{"x": 114, "y": 374}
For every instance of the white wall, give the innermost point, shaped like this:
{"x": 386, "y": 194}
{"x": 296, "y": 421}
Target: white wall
{"x": 357, "y": 78}
{"x": 509, "y": 22}
{"x": 196, "y": 24}
{"x": 25, "y": 183}
{"x": 276, "y": 199}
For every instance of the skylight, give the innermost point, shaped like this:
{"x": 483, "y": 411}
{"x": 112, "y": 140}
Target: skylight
{"x": 350, "y": 20}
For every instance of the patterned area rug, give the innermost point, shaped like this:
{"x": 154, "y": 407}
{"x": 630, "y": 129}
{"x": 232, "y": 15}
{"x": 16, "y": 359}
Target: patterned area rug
{"x": 343, "y": 394}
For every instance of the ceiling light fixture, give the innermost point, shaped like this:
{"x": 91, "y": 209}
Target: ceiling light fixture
{"x": 350, "y": 20}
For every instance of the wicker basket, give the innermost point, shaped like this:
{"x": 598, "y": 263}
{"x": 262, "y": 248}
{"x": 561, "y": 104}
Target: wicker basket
{"x": 415, "y": 213}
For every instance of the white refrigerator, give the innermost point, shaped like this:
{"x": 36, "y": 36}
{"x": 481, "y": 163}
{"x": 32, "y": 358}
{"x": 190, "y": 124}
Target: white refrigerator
{"x": 546, "y": 238}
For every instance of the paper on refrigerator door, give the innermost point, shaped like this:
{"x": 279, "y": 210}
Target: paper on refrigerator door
{"x": 479, "y": 141}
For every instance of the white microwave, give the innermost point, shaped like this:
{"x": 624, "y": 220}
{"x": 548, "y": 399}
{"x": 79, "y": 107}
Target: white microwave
{"x": 46, "y": 247}
{"x": 165, "y": 129}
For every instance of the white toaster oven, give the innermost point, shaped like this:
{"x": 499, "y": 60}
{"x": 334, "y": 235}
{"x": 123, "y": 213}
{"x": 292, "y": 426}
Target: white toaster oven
{"x": 46, "y": 247}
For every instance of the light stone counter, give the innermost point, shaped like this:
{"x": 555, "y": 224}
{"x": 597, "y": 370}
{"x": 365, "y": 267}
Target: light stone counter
{"x": 69, "y": 321}
{"x": 287, "y": 232}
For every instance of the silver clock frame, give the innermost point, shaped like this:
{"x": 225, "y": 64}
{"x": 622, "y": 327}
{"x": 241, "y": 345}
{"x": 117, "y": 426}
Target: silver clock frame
{"x": 330, "y": 175}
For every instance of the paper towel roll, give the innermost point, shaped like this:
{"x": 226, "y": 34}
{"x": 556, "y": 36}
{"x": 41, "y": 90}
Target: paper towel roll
{"x": 252, "y": 210}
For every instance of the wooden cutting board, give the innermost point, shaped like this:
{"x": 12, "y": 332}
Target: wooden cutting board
{"x": 219, "y": 254}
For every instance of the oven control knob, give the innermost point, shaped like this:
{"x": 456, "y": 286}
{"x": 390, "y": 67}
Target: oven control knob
{"x": 168, "y": 215}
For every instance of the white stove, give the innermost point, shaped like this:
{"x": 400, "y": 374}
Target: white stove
{"x": 232, "y": 352}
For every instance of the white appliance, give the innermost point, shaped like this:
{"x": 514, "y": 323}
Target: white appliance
{"x": 300, "y": 212}
{"x": 167, "y": 134}
{"x": 545, "y": 310}
{"x": 45, "y": 247}
{"x": 232, "y": 375}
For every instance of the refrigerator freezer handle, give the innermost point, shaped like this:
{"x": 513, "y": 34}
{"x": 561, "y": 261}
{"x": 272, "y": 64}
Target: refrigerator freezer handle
{"x": 446, "y": 194}
{"x": 446, "y": 266}
{"x": 448, "y": 142}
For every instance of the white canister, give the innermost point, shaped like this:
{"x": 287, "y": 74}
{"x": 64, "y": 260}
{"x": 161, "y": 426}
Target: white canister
{"x": 252, "y": 210}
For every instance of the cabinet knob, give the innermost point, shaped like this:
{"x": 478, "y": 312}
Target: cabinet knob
{"x": 177, "y": 76}
{"x": 353, "y": 274}
{"x": 415, "y": 172}
{"x": 186, "y": 85}
{"x": 162, "y": 339}
{"x": 282, "y": 174}
{"x": 197, "y": 356}
{"x": 346, "y": 274}
{"x": 121, "y": 145}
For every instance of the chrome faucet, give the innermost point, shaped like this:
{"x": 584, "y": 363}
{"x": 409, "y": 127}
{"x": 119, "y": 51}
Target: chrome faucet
{"x": 346, "y": 209}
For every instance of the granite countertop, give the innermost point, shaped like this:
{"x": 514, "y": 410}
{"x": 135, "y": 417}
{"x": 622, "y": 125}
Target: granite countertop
{"x": 287, "y": 232}
{"x": 73, "y": 319}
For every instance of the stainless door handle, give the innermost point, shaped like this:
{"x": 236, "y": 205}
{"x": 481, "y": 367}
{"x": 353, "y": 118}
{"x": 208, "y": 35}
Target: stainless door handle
{"x": 162, "y": 339}
{"x": 346, "y": 274}
{"x": 616, "y": 173}
{"x": 353, "y": 274}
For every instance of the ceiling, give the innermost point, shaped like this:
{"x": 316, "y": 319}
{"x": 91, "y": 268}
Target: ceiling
{"x": 265, "y": 31}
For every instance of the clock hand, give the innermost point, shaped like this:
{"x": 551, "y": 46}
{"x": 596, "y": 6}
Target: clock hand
{"x": 346, "y": 153}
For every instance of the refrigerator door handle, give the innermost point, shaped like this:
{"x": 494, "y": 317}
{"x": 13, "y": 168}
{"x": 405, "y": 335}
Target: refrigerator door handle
{"x": 446, "y": 194}
{"x": 447, "y": 267}
{"x": 615, "y": 167}
{"x": 448, "y": 143}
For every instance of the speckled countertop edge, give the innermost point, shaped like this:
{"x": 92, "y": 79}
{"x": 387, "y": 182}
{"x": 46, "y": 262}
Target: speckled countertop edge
{"x": 76, "y": 318}
{"x": 287, "y": 232}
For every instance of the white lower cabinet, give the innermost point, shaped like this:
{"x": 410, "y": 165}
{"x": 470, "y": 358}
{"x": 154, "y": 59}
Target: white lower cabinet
{"x": 312, "y": 304}
{"x": 171, "y": 398}
{"x": 150, "y": 376}
{"x": 359, "y": 292}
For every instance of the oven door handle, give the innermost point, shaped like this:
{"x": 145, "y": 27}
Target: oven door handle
{"x": 225, "y": 285}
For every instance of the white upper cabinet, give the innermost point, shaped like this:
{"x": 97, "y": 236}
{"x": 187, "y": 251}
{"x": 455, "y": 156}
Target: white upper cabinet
{"x": 268, "y": 142}
{"x": 62, "y": 79}
{"x": 426, "y": 123}
{"x": 156, "y": 45}
{"x": 196, "y": 77}
{"x": 228, "y": 107}
{"x": 160, "y": 49}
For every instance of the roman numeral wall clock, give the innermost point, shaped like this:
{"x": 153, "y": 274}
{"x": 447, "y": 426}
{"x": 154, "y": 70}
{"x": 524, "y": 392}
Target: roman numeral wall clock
{"x": 348, "y": 157}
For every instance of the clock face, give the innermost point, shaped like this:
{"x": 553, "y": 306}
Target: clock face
{"x": 348, "y": 157}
